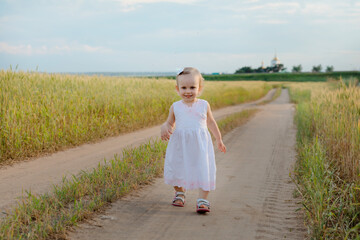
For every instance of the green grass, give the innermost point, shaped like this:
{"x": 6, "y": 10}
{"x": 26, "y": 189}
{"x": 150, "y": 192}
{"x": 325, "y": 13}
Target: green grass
{"x": 50, "y": 215}
{"x": 331, "y": 204}
{"x": 327, "y": 172}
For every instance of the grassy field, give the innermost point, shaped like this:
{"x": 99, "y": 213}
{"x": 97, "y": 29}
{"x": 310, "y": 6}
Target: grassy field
{"x": 50, "y": 215}
{"x": 287, "y": 77}
{"x": 43, "y": 113}
{"x": 328, "y": 121}
{"x": 46, "y": 112}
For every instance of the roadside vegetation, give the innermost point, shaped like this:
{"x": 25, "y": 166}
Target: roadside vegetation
{"x": 328, "y": 168}
{"x": 43, "y": 113}
{"x": 50, "y": 215}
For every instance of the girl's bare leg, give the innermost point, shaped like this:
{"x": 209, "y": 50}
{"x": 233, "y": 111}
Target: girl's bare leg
{"x": 179, "y": 189}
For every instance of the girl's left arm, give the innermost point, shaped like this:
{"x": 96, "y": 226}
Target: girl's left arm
{"x": 213, "y": 127}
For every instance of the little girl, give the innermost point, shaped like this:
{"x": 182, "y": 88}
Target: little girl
{"x": 190, "y": 158}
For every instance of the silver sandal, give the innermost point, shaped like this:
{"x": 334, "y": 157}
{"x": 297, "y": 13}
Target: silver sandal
{"x": 177, "y": 197}
{"x": 204, "y": 202}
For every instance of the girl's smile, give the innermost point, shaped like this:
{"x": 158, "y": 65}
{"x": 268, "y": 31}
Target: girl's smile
{"x": 188, "y": 88}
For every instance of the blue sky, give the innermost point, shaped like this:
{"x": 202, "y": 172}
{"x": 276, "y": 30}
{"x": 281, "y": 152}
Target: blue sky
{"x": 165, "y": 35}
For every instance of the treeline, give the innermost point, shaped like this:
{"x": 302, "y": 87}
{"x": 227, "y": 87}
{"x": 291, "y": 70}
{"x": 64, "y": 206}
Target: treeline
{"x": 248, "y": 69}
{"x": 315, "y": 69}
{"x": 291, "y": 77}
{"x": 281, "y": 68}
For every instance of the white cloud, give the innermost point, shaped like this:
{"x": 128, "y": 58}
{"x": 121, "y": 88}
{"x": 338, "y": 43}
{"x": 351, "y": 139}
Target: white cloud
{"x": 88, "y": 48}
{"x": 270, "y": 7}
{"x": 318, "y": 8}
{"x": 20, "y": 49}
{"x": 272, "y": 21}
{"x": 28, "y": 49}
{"x": 131, "y": 5}
{"x": 332, "y": 13}
{"x": 251, "y": 1}
{"x": 134, "y": 2}
{"x": 314, "y": 12}
{"x": 263, "y": 12}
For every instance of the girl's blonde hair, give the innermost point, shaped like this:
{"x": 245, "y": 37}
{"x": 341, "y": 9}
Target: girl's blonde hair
{"x": 192, "y": 71}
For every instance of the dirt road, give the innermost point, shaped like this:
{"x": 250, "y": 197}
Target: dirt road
{"x": 40, "y": 174}
{"x": 253, "y": 199}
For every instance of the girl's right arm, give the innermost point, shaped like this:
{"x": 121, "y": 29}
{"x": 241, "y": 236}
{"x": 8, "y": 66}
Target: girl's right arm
{"x": 167, "y": 127}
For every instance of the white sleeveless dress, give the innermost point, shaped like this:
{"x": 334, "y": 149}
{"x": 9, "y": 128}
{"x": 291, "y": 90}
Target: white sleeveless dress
{"x": 190, "y": 158}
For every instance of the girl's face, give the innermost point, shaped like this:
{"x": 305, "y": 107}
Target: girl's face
{"x": 188, "y": 87}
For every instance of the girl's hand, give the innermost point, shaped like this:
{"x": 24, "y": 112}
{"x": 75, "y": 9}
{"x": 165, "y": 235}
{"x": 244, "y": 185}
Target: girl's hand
{"x": 166, "y": 131}
{"x": 167, "y": 127}
{"x": 221, "y": 146}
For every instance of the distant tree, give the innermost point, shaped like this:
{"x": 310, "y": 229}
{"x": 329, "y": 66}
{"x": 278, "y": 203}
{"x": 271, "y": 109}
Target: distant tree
{"x": 245, "y": 69}
{"x": 260, "y": 70}
{"x": 329, "y": 69}
{"x": 316, "y": 69}
{"x": 297, "y": 69}
{"x": 278, "y": 67}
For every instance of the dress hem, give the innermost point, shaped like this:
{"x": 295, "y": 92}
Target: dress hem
{"x": 191, "y": 186}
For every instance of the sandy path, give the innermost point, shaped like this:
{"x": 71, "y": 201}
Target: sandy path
{"x": 40, "y": 174}
{"x": 253, "y": 199}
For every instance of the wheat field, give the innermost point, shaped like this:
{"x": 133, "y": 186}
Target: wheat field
{"x": 44, "y": 113}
